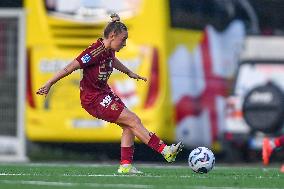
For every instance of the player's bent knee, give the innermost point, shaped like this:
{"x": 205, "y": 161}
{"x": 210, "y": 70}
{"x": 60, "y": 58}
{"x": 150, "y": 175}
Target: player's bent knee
{"x": 126, "y": 128}
{"x": 134, "y": 121}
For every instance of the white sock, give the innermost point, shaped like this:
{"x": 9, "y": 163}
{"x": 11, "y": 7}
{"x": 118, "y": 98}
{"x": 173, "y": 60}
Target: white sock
{"x": 165, "y": 150}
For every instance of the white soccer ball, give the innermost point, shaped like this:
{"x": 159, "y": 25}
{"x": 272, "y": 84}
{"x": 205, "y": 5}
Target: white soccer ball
{"x": 201, "y": 160}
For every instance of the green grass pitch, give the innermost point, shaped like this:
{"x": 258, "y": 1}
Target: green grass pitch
{"x": 164, "y": 176}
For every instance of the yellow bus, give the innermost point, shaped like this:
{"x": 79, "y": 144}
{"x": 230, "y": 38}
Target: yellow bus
{"x": 169, "y": 42}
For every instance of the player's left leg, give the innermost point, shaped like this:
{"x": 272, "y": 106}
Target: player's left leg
{"x": 279, "y": 141}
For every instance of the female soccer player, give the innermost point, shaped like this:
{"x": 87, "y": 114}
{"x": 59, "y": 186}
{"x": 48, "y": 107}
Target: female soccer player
{"x": 97, "y": 62}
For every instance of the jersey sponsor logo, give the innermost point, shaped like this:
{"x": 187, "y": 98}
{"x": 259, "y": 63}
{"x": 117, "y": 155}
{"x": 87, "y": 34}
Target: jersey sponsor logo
{"x": 86, "y": 58}
{"x": 106, "y": 101}
{"x": 105, "y": 71}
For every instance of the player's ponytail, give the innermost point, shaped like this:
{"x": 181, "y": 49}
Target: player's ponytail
{"x": 114, "y": 17}
{"x": 115, "y": 25}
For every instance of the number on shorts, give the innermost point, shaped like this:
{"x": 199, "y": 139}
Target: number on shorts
{"x": 106, "y": 101}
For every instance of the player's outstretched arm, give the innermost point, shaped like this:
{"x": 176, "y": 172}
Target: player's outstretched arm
{"x": 136, "y": 76}
{"x": 119, "y": 66}
{"x": 74, "y": 65}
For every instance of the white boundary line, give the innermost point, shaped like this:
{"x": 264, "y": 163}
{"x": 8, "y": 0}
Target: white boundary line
{"x": 81, "y": 175}
{"x": 71, "y": 184}
{"x": 47, "y": 183}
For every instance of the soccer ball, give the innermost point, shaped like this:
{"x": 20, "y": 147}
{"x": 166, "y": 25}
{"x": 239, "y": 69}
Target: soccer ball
{"x": 201, "y": 160}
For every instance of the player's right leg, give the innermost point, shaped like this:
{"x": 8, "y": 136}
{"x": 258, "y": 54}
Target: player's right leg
{"x": 266, "y": 150}
{"x": 268, "y": 145}
{"x": 127, "y": 152}
{"x": 131, "y": 120}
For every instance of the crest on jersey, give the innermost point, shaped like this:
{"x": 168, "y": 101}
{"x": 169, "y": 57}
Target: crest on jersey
{"x": 114, "y": 107}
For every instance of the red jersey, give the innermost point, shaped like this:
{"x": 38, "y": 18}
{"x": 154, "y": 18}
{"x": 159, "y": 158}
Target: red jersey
{"x": 96, "y": 62}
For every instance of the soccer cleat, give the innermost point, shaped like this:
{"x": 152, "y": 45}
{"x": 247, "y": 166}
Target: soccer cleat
{"x": 128, "y": 169}
{"x": 170, "y": 152}
{"x": 266, "y": 151}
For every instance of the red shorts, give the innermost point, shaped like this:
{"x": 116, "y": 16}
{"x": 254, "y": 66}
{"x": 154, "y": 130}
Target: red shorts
{"x": 107, "y": 106}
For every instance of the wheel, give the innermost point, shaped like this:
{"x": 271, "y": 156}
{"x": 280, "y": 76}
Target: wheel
{"x": 263, "y": 108}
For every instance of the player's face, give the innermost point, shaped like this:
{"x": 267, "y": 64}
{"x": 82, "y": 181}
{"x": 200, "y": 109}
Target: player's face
{"x": 119, "y": 41}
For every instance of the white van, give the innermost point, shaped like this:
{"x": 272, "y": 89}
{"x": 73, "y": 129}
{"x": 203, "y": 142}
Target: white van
{"x": 256, "y": 107}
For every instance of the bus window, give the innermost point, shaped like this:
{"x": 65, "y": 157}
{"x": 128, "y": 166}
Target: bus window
{"x": 269, "y": 22}
{"x": 196, "y": 15}
{"x": 79, "y": 9}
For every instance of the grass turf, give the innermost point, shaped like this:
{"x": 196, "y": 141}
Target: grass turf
{"x": 39, "y": 176}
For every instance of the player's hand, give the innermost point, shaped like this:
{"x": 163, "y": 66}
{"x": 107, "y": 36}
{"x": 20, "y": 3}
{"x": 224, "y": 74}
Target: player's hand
{"x": 44, "y": 89}
{"x": 136, "y": 76}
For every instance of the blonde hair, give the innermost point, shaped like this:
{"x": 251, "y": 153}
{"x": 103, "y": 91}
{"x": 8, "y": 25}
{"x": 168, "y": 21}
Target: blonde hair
{"x": 115, "y": 25}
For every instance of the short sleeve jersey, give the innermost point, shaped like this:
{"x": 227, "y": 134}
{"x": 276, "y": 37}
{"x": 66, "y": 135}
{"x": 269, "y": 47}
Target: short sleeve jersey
{"x": 96, "y": 62}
